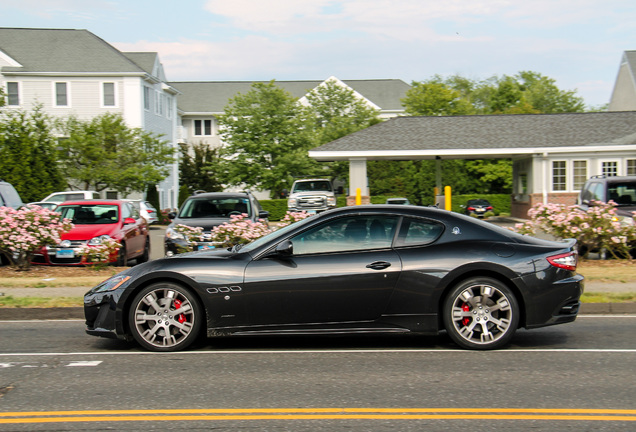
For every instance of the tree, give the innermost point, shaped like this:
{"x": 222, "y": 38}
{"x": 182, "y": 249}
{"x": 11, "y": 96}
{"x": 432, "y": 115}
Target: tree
{"x": 200, "y": 168}
{"x": 435, "y": 99}
{"x": 266, "y": 136}
{"x": 27, "y": 154}
{"x": 104, "y": 153}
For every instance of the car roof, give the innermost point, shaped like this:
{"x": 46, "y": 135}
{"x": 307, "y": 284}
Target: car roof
{"x": 93, "y": 202}
{"x": 220, "y": 195}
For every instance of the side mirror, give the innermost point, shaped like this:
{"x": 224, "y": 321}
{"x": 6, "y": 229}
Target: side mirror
{"x": 172, "y": 215}
{"x": 263, "y": 214}
{"x": 285, "y": 248}
{"x": 339, "y": 190}
{"x": 129, "y": 221}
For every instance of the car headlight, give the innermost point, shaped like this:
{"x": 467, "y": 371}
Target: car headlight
{"x": 171, "y": 233}
{"x": 331, "y": 201}
{"x": 111, "y": 284}
{"x": 98, "y": 240}
{"x": 291, "y": 202}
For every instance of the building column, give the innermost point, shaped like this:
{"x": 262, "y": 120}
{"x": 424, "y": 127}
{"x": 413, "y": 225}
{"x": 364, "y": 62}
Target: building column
{"x": 358, "y": 179}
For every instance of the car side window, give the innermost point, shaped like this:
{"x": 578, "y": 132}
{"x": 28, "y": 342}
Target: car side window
{"x": 126, "y": 211}
{"x": 361, "y": 232}
{"x": 417, "y": 232}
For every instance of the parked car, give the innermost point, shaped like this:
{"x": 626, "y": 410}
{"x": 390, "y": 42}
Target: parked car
{"x": 146, "y": 210}
{"x": 311, "y": 196}
{"x": 59, "y": 197}
{"x": 398, "y": 201}
{"x": 94, "y": 221}
{"x": 621, "y": 190}
{"x": 50, "y": 205}
{"x": 9, "y": 197}
{"x": 208, "y": 210}
{"x": 477, "y": 207}
{"x": 374, "y": 269}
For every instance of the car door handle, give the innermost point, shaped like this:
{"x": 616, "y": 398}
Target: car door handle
{"x": 379, "y": 265}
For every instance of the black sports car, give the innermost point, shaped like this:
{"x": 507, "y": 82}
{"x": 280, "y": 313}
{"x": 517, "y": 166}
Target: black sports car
{"x": 375, "y": 269}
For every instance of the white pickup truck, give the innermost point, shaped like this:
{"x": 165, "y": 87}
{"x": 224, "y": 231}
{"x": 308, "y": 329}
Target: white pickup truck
{"x": 311, "y": 195}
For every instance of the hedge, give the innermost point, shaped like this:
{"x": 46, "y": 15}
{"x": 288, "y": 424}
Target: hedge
{"x": 500, "y": 202}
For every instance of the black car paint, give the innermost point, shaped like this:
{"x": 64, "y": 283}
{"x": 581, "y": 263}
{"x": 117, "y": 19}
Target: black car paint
{"x": 262, "y": 292}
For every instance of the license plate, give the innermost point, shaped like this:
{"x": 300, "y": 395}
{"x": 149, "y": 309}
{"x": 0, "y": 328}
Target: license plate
{"x": 65, "y": 253}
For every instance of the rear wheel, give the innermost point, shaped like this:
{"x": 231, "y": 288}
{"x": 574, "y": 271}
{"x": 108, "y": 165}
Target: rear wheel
{"x": 481, "y": 313}
{"x": 165, "y": 317}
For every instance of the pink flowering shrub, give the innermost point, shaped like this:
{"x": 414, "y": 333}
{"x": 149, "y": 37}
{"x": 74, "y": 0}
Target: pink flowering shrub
{"x": 192, "y": 235}
{"x": 100, "y": 255}
{"x": 291, "y": 217}
{"x": 24, "y": 231}
{"x": 239, "y": 230}
{"x": 596, "y": 229}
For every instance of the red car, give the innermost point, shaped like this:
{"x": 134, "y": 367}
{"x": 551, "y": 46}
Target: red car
{"x": 94, "y": 221}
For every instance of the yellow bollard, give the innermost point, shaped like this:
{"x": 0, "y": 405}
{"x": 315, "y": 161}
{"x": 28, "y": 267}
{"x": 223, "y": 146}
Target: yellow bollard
{"x": 447, "y": 198}
{"x": 358, "y": 196}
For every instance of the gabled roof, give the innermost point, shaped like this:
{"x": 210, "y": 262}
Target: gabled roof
{"x": 213, "y": 96}
{"x": 485, "y": 136}
{"x": 62, "y": 51}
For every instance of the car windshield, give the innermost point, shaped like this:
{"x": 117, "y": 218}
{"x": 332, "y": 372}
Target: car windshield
{"x": 311, "y": 186}
{"x": 214, "y": 207}
{"x": 623, "y": 194}
{"x": 90, "y": 214}
{"x": 479, "y": 202}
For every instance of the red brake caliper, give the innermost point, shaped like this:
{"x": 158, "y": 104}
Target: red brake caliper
{"x": 177, "y": 304}
{"x": 466, "y": 308}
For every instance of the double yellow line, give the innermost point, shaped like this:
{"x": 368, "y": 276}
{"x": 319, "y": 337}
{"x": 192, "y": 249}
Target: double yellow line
{"x": 318, "y": 414}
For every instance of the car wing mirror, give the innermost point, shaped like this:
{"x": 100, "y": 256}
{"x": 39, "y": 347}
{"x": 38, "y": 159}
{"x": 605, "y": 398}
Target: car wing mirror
{"x": 285, "y": 248}
{"x": 129, "y": 220}
{"x": 172, "y": 215}
{"x": 263, "y": 214}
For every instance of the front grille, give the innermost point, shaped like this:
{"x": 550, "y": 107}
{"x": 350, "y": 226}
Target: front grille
{"x": 312, "y": 202}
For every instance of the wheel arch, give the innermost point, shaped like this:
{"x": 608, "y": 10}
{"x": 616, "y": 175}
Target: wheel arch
{"x": 505, "y": 278}
{"x": 167, "y": 277}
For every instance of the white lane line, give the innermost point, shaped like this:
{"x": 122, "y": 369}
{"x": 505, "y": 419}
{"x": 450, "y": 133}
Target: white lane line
{"x": 84, "y": 363}
{"x": 329, "y": 351}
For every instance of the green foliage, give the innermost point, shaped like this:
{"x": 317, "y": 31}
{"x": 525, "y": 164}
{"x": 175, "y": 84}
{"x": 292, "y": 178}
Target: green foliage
{"x": 27, "y": 154}
{"x": 435, "y": 99}
{"x": 104, "y": 153}
{"x": 152, "y": 196}
{"x": 277, "y": 208}
{"x": 267, "y": 138}
{"x": 200, "y": 168}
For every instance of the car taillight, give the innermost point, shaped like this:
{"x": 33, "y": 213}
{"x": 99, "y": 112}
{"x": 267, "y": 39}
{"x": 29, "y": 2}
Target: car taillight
{"x": 150, "y": 211}
{"x": 471, "y": 208}
{"x": 489, "y": 208}
{"x": 567, "y": 261}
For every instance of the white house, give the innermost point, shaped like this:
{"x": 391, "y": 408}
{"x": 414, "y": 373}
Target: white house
{"x": 74, "y": 72}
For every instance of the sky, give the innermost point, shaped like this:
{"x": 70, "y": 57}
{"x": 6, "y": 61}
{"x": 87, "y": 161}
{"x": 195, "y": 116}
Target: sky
{"x": 578, "y": 43}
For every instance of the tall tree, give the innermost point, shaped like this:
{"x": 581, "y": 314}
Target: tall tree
{"x": 104, "y": 153}
{"x": 266, "y": 136}
{"x": 27, "y": 154}
{"x": 200, "y": 168}
{"x": 435, "y": 98}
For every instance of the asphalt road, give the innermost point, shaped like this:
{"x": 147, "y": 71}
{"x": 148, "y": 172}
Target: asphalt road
{"x": 578, "y": 376}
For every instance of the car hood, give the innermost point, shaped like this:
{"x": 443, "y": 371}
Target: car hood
{"x": 626, "y": 210}
{"x": 302, "y": 194}
{"x": 87, "y": 232}
{"x": 206, "y": 223}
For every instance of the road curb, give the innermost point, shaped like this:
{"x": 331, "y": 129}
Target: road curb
{"x": 57, "y": 313}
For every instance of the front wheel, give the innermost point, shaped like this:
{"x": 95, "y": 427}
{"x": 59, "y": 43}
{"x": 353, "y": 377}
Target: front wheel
{"x": 481, "y": 313}
{"x": 165, "y": 317}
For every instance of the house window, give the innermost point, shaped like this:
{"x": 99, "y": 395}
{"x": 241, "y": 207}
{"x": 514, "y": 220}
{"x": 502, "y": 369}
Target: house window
{"x": 108, "y": 94}
{"x": 579, "y": 172}
{"x": 609, "y": 168}
{"x": 147, "y": 98}
{"x": 13, "y": 93}
{"x": 559, "y": 174}
{"x": 169, "y": 107}
{"x": 631, "y": 166}
{"x": 61, "y": 94}
{"x": 203, "y": 127}
{"x": 159, "y": 101}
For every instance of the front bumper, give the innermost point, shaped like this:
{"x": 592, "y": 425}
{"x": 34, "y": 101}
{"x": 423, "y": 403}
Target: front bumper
{"x": 101, "y": 312}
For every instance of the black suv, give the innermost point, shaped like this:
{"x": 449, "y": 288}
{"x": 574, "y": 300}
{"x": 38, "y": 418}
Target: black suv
{"x": 207, "y": 210}
{"x": 9, "y": 197}
{"x": 621, "y": 190}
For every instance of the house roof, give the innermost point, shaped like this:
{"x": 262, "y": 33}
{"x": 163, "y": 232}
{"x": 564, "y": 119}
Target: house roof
{"x": 213, "y": 96}
{"x": 62, "y": 51}
{"x": 485, "y": 136}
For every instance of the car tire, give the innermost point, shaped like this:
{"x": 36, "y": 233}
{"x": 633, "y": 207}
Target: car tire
{"x": 155, "y": 321}
{"x": 122, "y": 256}
{"x": 145, "y": 256}
{"x": 481, "y": 313}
